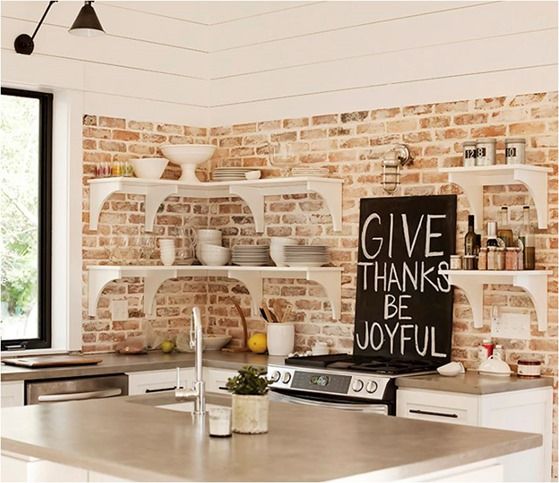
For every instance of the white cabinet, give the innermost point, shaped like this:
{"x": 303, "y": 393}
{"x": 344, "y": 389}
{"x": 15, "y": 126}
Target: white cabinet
{"x": 528, "y": 410}
{"x": 13, "y": 394}
{"x": 217, "y": 378}
{"x": 146, "y": 382}
{"x": 24, "y": 468}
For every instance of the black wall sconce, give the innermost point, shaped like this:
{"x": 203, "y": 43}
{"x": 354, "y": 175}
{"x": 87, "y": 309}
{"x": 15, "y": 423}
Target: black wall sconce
{"x": 86, "y": 25}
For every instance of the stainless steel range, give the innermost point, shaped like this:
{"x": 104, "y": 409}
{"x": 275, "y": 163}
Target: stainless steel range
{"x": 342, "y": 381}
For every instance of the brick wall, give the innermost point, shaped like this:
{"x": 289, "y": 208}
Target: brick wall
{"x": 351, "y": 146}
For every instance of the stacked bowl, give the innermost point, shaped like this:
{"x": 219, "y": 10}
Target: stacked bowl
{"x": 306, "y": 256}
{"x": 168, "y": 251}
{"x": 209, "y": 250}
{"x": 277, "y": 251}
{"x": 251, "y": 255}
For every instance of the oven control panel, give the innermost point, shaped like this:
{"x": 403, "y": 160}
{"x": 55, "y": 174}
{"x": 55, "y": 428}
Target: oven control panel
{"x": 355, "y": 385}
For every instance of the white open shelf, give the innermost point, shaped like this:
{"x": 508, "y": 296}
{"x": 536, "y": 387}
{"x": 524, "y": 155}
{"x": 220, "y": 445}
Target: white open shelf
{"x": 252, "y": 192}
{"x": 251, "y": 277}
{"x": 534, "y": 282}
{"x": 472, "y": 180}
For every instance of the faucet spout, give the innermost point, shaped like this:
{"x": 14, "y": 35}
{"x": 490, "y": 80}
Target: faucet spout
{"x": 198, "y": 391}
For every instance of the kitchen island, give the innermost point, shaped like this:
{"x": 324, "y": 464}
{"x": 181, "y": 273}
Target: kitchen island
{"x": 133, "y": 438}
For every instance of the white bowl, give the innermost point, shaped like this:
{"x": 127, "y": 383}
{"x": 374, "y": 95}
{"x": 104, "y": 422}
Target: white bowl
{"x": 213, "y": 255}
{"x": 215, "y": 342}
{"x": 451, "y": 369}
{"x": 277, "y": 252}
{"x": 253, "y": 174}
{"x": 149, "y": 168}
{"x": 188, "y": 156}
{"x": 494, "y": 366}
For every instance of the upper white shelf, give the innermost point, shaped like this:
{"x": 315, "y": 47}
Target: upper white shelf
{"x": 534, "y": 282}
{"x": 251, "y": 277}
{"x": 472, "y": 180}
{"x": 251, "y": 191}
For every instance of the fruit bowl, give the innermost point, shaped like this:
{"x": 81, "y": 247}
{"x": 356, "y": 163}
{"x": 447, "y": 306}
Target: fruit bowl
{"x": 149, "y": 168}
{"x": 188, "y": 156}
{"x": 215, "y": 342}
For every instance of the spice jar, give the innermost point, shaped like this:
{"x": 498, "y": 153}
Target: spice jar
{"x": 469, "y": 262}
{"x": 499, "y": 352}
{"x": 469, "y": 153}
{"x": 529, "y": 368}
{"x": 520, "y": 261}
{"x": 511, "y": 258}
{"x": 455, "y": 262}
{"x": 515, "y": 150}
{"x": 492, "y": 258}
{"x": 500, "y": 259}
{"x": 485, "y": 152}
{"x": 482, "y": 259}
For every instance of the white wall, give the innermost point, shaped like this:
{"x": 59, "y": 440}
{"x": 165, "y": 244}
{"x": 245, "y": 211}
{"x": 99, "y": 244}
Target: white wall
{"x": 212, "y": 63}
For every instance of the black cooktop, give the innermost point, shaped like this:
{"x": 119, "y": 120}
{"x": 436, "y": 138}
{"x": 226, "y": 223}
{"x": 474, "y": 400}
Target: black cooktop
{"x": 375, "y": 365}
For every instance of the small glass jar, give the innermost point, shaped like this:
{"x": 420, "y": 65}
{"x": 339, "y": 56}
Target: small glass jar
{"x": 500, "y": 258}
{"x": 469, "y": 153}
{"x": 515, "y": 150}
{"x": 529, "y": 368}
{"x": 482, "y": 259}
{"x": 520, "y": 261}
{"x": 499, "y": 352}
{"x": 469, "y": 262}
{"x": 492, "y": 258}
{"x": 485, "y": 152}
{"x": 455, "y": 262}
{"x": 511, "y": 258}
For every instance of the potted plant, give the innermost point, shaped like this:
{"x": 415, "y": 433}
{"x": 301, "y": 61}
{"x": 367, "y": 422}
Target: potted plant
{"x": 250, "y": 400}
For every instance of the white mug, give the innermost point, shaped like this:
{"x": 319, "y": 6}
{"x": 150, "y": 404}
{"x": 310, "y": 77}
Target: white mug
{"x": 320, "y": 349}
{"x": 281, "y": 338}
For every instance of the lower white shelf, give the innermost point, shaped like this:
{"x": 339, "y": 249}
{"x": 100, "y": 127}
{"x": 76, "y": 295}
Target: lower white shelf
{"x": 534, "y": 282}
{"x": 251, "y": 277}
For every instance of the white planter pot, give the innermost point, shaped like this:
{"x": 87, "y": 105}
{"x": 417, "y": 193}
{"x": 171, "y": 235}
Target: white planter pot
{"x": 281, "y": 338}
{"x": 250, "y": 414}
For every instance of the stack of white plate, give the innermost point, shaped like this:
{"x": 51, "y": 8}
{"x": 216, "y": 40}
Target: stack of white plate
{"x": 306, "y": 256}
{"x": 309, "y": 171}
{"x": 230, "y": 173}
{"x": 251, "y": 255}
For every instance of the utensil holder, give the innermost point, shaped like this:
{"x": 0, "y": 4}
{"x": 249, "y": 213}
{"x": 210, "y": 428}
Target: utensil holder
{"x": 281, "y": 338}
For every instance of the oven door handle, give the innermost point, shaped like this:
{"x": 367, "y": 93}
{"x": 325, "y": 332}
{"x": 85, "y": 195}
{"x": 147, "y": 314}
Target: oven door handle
{"x": 74, "y": 396}
{"x": 327, "y": 404}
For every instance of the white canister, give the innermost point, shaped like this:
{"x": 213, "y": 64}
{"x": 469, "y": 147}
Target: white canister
{"x": 281, "y": 338}
{"x": 320, "y": 349}
{"x": 485, "y": 151}
{"x": 167, "y": 251}
{"x": 515, "y": 150}
{"x": 470, "y": 153}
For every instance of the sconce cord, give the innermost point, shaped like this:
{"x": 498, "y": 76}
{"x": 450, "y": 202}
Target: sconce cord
{"x": 51, "y": 3}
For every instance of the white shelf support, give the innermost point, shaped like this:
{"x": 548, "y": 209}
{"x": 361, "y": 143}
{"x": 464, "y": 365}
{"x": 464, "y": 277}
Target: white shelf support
{"x": 332, "y": 284}
{"x": 253, "y": 282}
{"x": 152, "y": 282}
{"x": 534, "y": 282}
{"x": 332, "y": 196}
{"x": 473, "y": 179}
{"x": 254, "y": 198}
{"x": 154, "y": 197}
{"x": 98, "y": 194}
{"x": 96, "y": 282}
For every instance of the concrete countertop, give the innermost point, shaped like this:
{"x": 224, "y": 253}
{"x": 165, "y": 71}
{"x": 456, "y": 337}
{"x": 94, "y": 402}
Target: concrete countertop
{"x": 114, "y": 363}
{"x": 472, "y": 383}
{"x": 128, "y": 437}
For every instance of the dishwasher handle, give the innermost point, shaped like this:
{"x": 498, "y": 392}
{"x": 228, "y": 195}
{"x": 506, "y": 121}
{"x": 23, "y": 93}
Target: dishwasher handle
{"x": 75, "y": 396}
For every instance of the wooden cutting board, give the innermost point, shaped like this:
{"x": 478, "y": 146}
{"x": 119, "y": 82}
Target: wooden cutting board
{"x": 51, "y": 361}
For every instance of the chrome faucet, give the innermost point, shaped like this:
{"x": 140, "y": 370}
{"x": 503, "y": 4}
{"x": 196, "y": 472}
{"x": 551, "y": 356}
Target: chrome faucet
{"x": 197, "y": 392}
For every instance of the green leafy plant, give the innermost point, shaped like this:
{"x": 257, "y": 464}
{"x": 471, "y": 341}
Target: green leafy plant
{"x": 251, "y": 381}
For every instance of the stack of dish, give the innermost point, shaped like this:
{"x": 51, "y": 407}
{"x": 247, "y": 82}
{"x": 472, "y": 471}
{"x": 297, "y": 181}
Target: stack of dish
{"x": 251, "y": 255}
{"x": 309, "y": 171}
{"x": 230, "y": 173}
{"x": 206, "y": 237}
{"x": 305, "y": 256}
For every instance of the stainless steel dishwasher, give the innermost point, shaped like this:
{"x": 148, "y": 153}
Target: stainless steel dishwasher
{"x": 75, "y": 389}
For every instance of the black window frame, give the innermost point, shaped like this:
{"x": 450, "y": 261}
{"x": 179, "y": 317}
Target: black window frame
{"x": 44, "y": 312}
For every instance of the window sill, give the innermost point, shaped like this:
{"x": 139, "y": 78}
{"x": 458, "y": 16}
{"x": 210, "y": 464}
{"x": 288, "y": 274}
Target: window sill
{"x": 33, "y": 352}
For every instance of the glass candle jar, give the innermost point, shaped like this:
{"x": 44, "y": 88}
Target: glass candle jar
{"x": 469, "y": 153}
{"x": 511, "y": 258}
{"x": 515, "y": 150}
{"x": 492, "y": 258}
{"x": 485, "y": 152}
{"x": 455, "y": 262}
{"x": 500, "y": 258}
{"x": 482, "y": 259}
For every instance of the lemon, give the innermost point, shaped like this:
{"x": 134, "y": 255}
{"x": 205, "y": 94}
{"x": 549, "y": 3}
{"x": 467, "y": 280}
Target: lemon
{"x": 167, "y": 346}
{"x": 257, "y": 343}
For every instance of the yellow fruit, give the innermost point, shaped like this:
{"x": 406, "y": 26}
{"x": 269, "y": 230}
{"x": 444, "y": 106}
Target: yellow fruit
{"x": 257, "y": 343}
{"x": 167, "y": 346}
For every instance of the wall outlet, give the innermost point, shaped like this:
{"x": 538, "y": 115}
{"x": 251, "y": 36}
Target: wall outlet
{"x": 119, "y": 310}
{"x": 510, "y": 325}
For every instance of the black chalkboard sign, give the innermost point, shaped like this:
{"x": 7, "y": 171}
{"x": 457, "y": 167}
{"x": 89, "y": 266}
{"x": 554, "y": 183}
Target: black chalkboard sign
{"x": 403, "y": 304}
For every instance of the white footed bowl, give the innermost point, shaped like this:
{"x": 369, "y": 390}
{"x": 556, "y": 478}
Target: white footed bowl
{"x": 149, "y": 168}
{"x": 188, "y": 156}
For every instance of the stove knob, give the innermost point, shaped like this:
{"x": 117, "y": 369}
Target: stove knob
{"x": 371, "y": 387}
{"x": 357, "y": 385}
{"x": 286, "y": 378}
{"x": 275, "y": 377}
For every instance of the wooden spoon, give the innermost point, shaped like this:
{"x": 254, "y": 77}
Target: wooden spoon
{"x": 244, "y": 347}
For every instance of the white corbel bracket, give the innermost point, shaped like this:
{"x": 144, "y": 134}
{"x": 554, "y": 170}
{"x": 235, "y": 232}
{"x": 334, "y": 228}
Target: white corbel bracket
{"x": 332, "y": 284}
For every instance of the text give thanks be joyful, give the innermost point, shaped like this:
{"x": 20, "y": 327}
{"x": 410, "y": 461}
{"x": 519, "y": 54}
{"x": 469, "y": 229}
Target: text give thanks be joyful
{"x": 403, "y": 303}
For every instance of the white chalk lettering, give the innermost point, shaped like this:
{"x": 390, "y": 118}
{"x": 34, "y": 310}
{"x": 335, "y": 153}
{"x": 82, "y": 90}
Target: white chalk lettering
{"x": 430, "y": 234}
{"x": 423, "y": 351}
{"x": 391, "y": 335}
{"x": 377, "y": 326}
{"x": 370, "y": 218}
{"x": 389, "y": 300}
{"x": 434, "y": 352}
{"x": 406, "y": 230}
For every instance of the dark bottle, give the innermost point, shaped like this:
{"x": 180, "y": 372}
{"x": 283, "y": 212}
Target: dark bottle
{"x": 470, "y": 238}
{"x": 504, "y": 232}
{"x": 527, "y": 238}
{"x": 492, "y": 234}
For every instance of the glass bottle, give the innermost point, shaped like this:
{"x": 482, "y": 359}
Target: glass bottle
{"x": 527, "y": 239}
{"x": 505, "y": 232}
{"x": 470, "y": 238}
{"x": 492, "y": 234}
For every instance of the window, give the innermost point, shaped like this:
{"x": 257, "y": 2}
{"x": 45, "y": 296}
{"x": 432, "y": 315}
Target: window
{"x": 25, "y": 218}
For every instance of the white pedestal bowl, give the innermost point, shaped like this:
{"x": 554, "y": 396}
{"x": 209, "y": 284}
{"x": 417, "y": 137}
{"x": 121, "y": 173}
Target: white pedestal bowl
{"x": 188, "y": 156}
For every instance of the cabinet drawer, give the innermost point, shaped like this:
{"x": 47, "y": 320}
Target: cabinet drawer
{"x": 12, "y": 394}
{"x": 217, "y": 378}
{"x": 157, "y": 381}
{"x": 437, "y": 406}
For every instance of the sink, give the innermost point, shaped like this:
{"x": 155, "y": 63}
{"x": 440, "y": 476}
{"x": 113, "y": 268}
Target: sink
{"x": 187, "y": 406}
